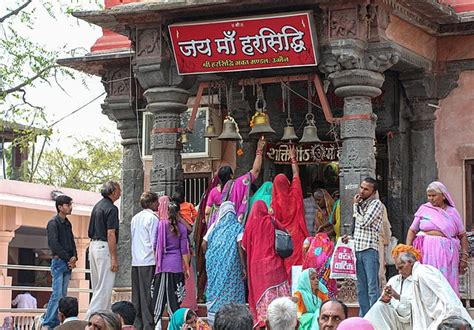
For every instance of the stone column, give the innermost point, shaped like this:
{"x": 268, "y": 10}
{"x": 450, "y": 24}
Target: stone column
{"x": 355, "y": 68}
{"x": 357, "y": 87}
{"x": 420, "y": 89}
{"x": 119, "y": 107}
{"x": 166, "y": 95}
{"x": 354, "y": 55}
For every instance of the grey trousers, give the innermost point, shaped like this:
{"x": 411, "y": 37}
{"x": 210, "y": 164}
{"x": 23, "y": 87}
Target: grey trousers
{"x": 142, "y": 277}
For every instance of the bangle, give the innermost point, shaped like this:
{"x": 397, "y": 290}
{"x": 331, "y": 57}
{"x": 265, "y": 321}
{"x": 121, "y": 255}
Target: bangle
{"x": 293, "y": 161}
{"x": 259, "y": 152}
{"x": 465, "y": 260}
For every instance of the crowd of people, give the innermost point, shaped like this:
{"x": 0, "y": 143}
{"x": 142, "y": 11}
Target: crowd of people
{"x": 226, "y": 255}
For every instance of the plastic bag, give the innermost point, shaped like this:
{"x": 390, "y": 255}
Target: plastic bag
{"x": 343, "y": 261}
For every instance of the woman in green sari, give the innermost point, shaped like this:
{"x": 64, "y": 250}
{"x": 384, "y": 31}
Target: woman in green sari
{"x": 310, "y": 293}
{"x": 264, "y": 193}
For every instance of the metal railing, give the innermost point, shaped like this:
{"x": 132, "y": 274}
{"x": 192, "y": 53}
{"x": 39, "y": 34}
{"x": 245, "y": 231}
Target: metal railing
{"x": 24, "y": 319}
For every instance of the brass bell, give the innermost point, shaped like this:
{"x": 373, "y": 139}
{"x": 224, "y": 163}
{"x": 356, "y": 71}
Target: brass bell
{"x": 210, "y": 131}
{"x": 289, "y": 132}
{"x": 310, "y": 132}
{"x": 261, "y": 124}
{"x": 229, "y": 131}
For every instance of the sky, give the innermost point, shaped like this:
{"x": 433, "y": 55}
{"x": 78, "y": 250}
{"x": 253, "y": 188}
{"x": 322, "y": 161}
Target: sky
{"x": 66, "y": 32}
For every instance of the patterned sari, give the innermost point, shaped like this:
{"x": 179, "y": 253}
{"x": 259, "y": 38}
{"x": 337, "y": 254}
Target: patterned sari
{"x": 318, "y": 257}
{"x": 224, "y": 277}
{"x": 438, "y": 251}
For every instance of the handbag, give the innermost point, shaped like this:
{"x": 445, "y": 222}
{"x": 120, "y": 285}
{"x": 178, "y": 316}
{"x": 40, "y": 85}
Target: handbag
{"x": 283, "y": 243}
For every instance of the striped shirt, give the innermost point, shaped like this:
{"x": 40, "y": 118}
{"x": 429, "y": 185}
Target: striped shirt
{"x": 368, "y": 223}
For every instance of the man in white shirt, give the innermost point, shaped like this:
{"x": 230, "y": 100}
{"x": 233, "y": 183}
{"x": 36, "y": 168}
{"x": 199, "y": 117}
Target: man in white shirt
{"x": 25, "y": 301}
{"x": 143, "y": 230}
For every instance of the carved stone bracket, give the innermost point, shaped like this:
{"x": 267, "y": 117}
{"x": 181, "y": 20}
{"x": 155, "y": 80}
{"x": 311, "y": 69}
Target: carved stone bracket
{"x": 424, "y": 90}
{"x": 349, "y": 54}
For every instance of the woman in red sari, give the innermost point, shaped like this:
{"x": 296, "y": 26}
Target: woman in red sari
{"x": 267, "y": 277}
{"x": 288, "y": 209}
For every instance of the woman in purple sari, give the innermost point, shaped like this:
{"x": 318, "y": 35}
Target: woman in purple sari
{"x": 438, "y": 232}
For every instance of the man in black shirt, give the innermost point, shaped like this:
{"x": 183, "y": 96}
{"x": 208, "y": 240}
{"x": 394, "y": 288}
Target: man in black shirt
{"x": 64, "y": 257}
{"x": 103, "y": 232}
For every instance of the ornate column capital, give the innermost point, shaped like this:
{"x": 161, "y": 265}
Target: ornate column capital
{"x": 118, "y": 106}
{"x": 349, "y": 54}
{"x": 153, "y": 64}
{"x": 423, "y": 91}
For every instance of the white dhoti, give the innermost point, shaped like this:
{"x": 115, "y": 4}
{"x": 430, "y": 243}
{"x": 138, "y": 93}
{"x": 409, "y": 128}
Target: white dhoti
{"x": 395, "y": 315}
{"x": 433, "y": 298}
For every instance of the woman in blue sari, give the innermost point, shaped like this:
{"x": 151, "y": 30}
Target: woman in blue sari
{"x": 223, "y": 265}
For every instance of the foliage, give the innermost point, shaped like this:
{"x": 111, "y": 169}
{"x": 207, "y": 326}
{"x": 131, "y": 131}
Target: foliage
{"x": 95, "y": 162}
{"x": 26, "y": 63}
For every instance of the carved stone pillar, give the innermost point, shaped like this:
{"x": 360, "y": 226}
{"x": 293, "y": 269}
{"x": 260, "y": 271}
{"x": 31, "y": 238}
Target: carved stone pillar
{"x": 354, "y": 66}
{"x": 119, "y": 107}
{"x": 357, "y": 87}
{"x": 420, "y": 89}
{"x": 166, "y": 95}
{"x": 355, "y": 71}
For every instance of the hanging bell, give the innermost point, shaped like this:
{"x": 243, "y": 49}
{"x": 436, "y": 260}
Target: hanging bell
{"x": 229, "y": 131}
{"x": 310, "y": 132}
{"x": 210, "y": 131}
{"x": 289, "y": 132}
{"x": 261, "y": 124}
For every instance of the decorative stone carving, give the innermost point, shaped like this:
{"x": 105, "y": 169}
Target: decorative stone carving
{"x": 356, "y": 54}
{"x": 148, "y": 43}
{"x": 343, "y": 23}
{"x": 197, "y": 166}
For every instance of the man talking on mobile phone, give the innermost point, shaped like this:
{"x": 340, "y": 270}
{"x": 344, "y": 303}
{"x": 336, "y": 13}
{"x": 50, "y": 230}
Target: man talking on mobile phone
{"x": 367, "y": 213}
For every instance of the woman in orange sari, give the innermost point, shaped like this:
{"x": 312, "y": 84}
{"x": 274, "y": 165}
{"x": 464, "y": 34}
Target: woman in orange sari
{"x": 288, "y": 209}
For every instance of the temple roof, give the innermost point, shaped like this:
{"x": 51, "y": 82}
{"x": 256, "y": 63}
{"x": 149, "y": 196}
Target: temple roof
{"x": 434, "y": 17}
{"x": 93, "y": 63}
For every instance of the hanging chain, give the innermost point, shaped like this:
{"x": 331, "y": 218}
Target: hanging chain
{"x": 229, "y": 99}
{"x": 283, "y": 97}
{"x": 309, "y": 97}
{"x": 288, "y": 94}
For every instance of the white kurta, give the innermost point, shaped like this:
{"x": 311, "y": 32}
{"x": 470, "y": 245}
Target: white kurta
{"x": 433, "y": 298}
{"x": 395, "y": 315}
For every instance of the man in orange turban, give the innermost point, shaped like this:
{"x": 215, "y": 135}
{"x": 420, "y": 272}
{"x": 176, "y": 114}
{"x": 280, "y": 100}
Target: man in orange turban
{"x": 419, "y": 297}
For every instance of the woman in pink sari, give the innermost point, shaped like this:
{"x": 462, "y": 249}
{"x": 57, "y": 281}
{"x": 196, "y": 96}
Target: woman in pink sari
{"x": 438, "y": 232}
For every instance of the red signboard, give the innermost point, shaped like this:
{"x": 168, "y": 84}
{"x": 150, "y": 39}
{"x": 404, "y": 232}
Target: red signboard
{"x": 251, "y": 43}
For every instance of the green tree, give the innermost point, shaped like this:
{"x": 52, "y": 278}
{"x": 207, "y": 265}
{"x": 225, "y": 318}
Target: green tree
{"x": 95, "y": 162}
{"x": 26, "y": 63}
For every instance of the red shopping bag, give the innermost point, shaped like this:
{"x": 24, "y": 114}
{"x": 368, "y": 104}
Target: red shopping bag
{"x": 343, "y": 261}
